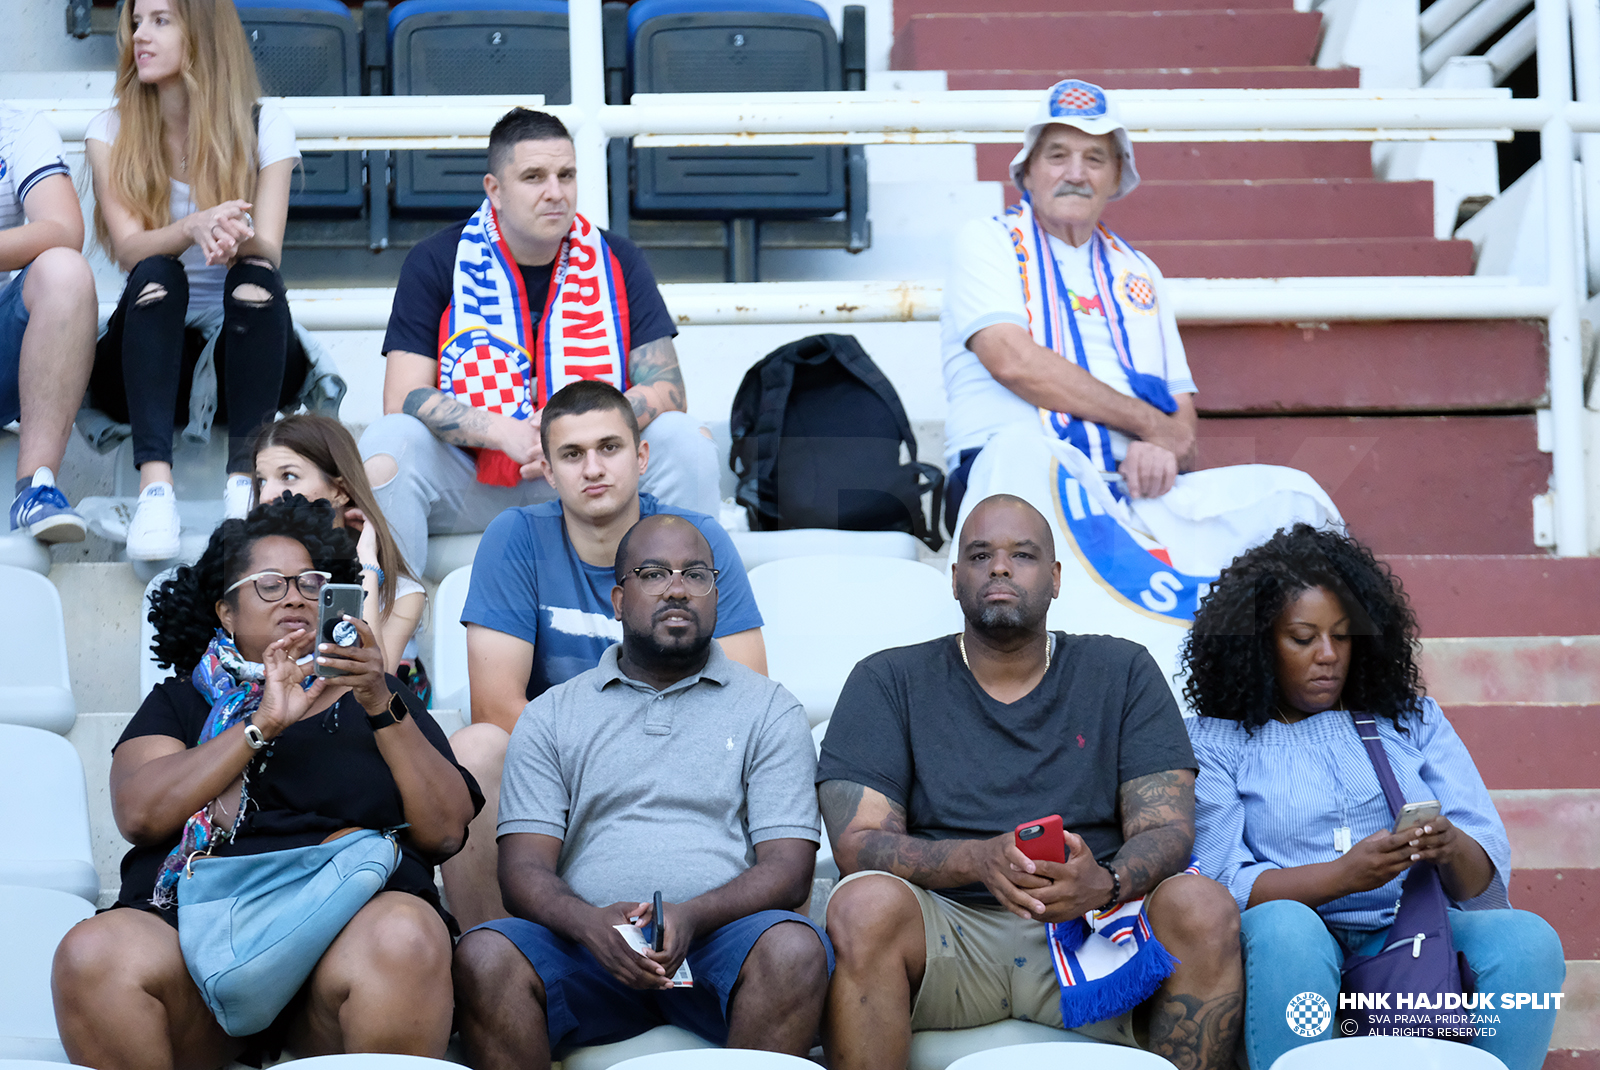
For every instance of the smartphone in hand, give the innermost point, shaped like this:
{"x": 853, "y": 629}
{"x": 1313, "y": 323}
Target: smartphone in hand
{"x": 338, "y": 601}
{"x": 1417, "y": 813}
{"x": 1043, "y": 840}
{"x": 658, "y": 932}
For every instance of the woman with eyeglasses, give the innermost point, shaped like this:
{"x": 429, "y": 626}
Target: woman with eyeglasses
{"x": 246, "y": 718}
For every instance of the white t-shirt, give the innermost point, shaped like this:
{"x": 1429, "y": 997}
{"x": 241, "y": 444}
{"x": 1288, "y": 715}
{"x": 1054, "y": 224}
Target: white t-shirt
{"x": 274, "y": 142}
{"x": 30, "y": 150}
{"x": 983, "y": 290}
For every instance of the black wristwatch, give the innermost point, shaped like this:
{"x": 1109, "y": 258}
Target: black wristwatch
{"x": 393, "y": 714}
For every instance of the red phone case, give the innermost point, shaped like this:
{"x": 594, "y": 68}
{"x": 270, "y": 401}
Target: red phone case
{"x": 1051, "y": 843}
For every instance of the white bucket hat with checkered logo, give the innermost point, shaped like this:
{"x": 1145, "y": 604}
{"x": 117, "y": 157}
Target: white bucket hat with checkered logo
{"x": 1083, "y": 106}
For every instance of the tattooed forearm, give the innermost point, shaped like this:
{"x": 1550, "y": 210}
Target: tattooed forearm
{"x": 868, "y": 831}
{"x": 455, "y": 423}
{"x": 657, "y": 381}
{"x": 1157, "y": 829}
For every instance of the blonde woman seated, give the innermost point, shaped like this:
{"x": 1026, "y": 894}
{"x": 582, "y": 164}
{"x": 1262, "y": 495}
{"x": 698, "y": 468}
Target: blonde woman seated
{"x": 191, "y": 184}
{"x": 359, "y": 752}
{"x": 314, "y": 455}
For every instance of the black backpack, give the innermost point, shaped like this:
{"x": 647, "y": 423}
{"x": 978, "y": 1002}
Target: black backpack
{"x": 817, "y": 431}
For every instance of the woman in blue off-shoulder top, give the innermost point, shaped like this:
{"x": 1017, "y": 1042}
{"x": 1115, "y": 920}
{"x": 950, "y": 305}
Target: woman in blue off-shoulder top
{"x": 1289, "y": 814}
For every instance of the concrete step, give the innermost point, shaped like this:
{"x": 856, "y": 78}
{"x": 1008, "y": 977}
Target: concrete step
{"x": 1407, "y": 484}
{"x": 1275, "y": 208}
{"x": 1555, "y": 848}
{"x": 1532, "y": 746}
{"x": 1469, "y": 594}
{"x": 1279, "y": 257}
{"x": 1201, "y": 160}
{"x": 1550, "y": 671}
{"x": 1354, "y": 367}
{"x": 904, "y": 9}
{"x": 1290, "y": 76}
{"x": 1114, "y": 39}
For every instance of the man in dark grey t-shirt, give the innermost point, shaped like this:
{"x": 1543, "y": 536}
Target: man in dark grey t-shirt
{"x": 935, "y": 754}
{"x": 667, "y": 768}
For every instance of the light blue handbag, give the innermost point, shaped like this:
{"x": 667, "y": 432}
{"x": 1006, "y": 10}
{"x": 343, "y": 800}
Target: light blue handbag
{"x": 252, "y": 927}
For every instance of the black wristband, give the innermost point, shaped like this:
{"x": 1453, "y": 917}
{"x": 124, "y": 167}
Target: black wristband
{"x": 1116, "y": 886}
{"x": 394, "y": 713}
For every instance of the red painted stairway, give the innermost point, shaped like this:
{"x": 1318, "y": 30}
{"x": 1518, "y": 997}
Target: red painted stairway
{"x": 1423, "y": 432}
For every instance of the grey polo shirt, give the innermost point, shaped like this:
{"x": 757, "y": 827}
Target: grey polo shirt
{"x": 665, "y": 790}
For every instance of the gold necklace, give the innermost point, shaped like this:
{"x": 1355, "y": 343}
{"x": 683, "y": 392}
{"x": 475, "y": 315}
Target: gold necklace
{"x": 1049, "y": 648}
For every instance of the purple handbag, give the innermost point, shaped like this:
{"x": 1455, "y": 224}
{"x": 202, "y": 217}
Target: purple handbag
{"x": 1405, "y": 983}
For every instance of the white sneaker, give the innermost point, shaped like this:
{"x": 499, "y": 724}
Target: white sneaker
{"x": 153, "y": 531}
{"x": 236, "y": 496}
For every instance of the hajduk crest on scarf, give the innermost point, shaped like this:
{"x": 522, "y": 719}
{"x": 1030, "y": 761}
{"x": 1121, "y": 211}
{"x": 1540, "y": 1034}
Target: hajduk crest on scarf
{"x": 496, "y": 356}
{"x": 1108, "y": 963}
{"x": 1124, "y": 283}
{"x": 232, "y": 685}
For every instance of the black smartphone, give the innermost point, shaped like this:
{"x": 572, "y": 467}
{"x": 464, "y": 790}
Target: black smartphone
{"x": 659, "y": 929}
{"x": 338, "y": 601}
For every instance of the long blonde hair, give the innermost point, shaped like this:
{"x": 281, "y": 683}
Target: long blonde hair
{"x": 219, "y": 74}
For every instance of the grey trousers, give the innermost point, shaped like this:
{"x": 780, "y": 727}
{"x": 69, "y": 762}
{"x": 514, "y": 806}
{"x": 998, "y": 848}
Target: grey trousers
{"x": 436, "y": 490}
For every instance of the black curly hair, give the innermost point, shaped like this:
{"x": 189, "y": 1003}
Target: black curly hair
{"x": 1230, "y": 654}
{"x": 183, "y": 609}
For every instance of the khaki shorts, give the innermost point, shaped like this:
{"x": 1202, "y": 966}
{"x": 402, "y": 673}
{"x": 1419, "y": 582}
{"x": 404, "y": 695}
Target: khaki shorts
{"x": 985, "y": 964}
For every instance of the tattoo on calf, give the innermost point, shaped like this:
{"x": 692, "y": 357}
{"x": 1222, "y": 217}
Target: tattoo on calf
{"x": 1190, "y": 1033}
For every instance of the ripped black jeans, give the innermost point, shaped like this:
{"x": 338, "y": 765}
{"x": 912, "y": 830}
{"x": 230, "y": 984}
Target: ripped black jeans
{"x": 144, "y": 364}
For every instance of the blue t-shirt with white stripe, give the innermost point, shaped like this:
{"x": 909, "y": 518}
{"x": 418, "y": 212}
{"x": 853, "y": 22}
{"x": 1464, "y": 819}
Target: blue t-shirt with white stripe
{"x": 528, "y": 582}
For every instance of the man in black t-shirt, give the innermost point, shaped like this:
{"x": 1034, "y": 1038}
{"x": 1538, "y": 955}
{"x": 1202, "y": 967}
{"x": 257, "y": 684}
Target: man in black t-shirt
{"x": 936, "y": 752}
{"x": 425, "y": 456}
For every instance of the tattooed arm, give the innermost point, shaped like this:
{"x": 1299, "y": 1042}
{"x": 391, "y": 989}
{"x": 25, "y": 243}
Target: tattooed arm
{"x": 657, "y": 382}
{"x": 410, "y": 385}
{"x": 868, "y": 831}
{"x": 1157, "y": 829}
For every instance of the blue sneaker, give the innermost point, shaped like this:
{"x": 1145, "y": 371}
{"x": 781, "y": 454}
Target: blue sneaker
{"x": 43, "y": 512}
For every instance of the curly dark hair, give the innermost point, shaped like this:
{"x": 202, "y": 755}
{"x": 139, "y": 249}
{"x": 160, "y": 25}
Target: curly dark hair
{"x": 183, "y": 609}
{"x": 1230, "y": 652}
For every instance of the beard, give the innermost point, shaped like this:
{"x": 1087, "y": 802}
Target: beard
{"x": 646, "y": 650}
{"x": 998, "y": 620}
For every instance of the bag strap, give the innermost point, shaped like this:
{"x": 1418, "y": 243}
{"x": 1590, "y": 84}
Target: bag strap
{"x": 1367, "y": 729}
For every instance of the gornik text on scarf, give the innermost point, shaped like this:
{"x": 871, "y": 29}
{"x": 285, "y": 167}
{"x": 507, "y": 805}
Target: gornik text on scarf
{"x": 1124, "y": 282}
{"x": 494, "y": 355}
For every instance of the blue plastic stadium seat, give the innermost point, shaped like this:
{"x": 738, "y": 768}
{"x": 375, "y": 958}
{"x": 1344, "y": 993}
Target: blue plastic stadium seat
{"x": 310, "y": 48}
{"x": 471, "y": 47}
{"x": 736, "y": 46}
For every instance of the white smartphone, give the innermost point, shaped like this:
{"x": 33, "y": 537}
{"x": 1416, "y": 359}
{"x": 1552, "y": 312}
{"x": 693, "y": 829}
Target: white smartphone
{"x": 1417, "y": 813}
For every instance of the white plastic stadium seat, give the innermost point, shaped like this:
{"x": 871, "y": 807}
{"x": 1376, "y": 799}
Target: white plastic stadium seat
{"x": 663, "y": 1038}
{"x": 373, "y": 1061}
{"x": 936, "y": 1049}
{"x": 717, "y": 1059}
{"x": 757, "y": 548}
{"x": 1061, "y": 1055}
{"x": 446, "y": 553}
{"x": 44, "y": 815}
{"x": 35, "y": 687}
{"x": 1386, "y": 1053}
{"x": 32, "y": 923}
{"x": 827, "y": 868}
{"x": 825, "y": 613}
{"x": 447, "y": 665}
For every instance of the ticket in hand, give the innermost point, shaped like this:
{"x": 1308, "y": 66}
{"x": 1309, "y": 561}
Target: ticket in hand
{"x": 635, "y": 937}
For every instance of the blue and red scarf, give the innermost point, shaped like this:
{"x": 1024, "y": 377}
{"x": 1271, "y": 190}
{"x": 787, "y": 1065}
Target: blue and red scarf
{"x": 496, "y": 356}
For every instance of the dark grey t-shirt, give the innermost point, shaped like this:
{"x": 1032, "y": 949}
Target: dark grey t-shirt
{"x": 913, "y": 724}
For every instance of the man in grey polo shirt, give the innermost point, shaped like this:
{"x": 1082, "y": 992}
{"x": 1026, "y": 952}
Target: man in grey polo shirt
{"x": 668, "y": 767}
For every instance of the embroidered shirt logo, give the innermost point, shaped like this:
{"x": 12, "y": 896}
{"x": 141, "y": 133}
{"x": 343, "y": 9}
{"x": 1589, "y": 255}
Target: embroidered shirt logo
{"x": 1140, "y": 292}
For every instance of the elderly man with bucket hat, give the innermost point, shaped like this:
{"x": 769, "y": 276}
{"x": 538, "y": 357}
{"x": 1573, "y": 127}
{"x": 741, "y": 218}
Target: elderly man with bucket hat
{"x": 1046, "y": 281}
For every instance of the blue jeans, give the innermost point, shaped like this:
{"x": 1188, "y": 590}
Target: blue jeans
{"x": 13, "y": 322}
{"x": 1288, "y": 949}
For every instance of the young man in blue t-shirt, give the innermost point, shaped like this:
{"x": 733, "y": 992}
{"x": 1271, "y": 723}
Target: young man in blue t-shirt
{"x": 539, "y": 609}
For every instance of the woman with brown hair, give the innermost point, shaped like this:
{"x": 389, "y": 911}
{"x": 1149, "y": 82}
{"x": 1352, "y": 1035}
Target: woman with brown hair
{"x": 316, "y": 456}
{"x": 191, "y": 182}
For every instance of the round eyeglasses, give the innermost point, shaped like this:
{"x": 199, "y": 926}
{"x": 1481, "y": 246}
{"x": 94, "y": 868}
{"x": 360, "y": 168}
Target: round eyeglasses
{"x": 272, "y": 585}
{"x": 697, "y": 579}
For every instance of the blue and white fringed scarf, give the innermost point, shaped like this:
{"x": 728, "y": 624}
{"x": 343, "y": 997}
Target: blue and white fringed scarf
{"x": 1125, "y": 284}
{"x": 233, "y": 687}
{"x": 1109, "y": 963}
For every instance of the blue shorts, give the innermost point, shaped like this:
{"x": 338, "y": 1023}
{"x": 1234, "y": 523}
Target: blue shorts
{"x": 585, "y": 1005}
{"x": 13, "y": 321}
